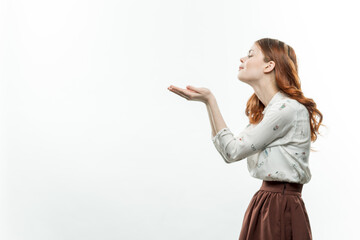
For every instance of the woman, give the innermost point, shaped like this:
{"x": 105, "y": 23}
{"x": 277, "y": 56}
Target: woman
{"x": 276, "y": 141}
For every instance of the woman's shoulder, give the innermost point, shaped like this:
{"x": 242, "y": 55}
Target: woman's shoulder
{"x": 298, "y": 109}
{"x": 285, "y": 103}
{"x": 286, "y": 100}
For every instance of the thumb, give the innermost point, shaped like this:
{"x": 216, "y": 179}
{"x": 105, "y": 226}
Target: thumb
{"x": 191, "y": 87}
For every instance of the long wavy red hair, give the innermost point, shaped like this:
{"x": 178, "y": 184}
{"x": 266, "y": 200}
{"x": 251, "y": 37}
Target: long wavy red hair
{"x": 287, "y": 80}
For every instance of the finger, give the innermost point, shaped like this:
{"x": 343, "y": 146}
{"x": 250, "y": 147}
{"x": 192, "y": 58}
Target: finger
{"x": 173, "y": 87}
{"x": 180, "y": 94}
{"x": 193, "y": 89}
{"x": 189, "y": 87}
{"x": 185, "y": 92}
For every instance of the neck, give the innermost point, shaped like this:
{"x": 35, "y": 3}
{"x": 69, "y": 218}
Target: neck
{"x": 266, "y": 94}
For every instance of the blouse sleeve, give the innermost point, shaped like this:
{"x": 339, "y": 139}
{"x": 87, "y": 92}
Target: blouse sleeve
{"x": 276, "y": 123}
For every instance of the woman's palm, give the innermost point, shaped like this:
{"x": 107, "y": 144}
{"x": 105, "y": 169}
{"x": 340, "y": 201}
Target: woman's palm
{"x": 192, "y": 93}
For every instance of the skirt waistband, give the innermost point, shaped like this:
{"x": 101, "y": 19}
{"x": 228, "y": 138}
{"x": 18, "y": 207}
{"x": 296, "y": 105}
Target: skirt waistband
{"x": 282, "y": 187}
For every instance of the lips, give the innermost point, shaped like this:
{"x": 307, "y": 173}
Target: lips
{"x": 241, "y": 68}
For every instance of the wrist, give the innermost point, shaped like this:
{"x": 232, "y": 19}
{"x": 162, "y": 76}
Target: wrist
{"x": 210, "y": 99}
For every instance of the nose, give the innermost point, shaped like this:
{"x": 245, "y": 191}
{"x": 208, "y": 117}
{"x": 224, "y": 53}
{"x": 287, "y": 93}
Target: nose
{"x": 242, "y": 60}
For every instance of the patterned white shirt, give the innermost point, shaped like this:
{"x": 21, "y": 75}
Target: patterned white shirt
{"x": 277, "y": 148}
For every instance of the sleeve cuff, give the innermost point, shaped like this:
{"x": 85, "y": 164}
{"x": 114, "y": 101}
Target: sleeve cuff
{"x": 219, "y": 133}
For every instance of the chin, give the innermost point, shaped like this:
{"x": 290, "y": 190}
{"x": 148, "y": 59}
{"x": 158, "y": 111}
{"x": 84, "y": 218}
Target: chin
{"x": 240, "y": 78}
{"x": 243, "y": 80}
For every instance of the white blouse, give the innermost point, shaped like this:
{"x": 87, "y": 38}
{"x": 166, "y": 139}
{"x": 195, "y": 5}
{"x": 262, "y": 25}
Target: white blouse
{"x": 277, "y": 148}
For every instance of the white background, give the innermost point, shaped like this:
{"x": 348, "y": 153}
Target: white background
{"x": 94, "y": 146}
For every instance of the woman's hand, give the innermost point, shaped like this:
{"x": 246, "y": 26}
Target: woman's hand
{"x": 192, "y": 93}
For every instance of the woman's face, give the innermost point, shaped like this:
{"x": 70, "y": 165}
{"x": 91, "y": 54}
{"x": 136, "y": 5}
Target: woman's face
{"x": 253, "y": 66}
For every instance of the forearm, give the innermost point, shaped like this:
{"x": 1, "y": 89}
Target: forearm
{"x": 216, "y": 120}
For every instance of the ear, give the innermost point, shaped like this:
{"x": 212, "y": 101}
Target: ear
{"x": 270, "y": 66}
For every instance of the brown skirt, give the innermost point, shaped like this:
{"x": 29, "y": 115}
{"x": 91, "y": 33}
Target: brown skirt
{"x": 276, "y": 212}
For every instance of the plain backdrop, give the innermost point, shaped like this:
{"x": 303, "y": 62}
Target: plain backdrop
{"x": 94, "y": 146}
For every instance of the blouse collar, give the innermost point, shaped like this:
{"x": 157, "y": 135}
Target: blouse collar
{"x": 278, "y": 95}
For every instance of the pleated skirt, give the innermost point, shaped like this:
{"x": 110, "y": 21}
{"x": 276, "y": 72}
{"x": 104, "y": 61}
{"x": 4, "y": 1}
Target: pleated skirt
{"x": 276, "y": 212}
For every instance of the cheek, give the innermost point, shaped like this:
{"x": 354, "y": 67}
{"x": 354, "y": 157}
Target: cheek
{"x": 253, "y": 63}
{"x": 252, "y": 71}
{"x": 253, "y": 67}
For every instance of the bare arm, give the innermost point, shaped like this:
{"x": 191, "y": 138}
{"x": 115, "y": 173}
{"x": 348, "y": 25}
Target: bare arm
{"x": 203, "y": 95}
{"x": 216, "y": 120}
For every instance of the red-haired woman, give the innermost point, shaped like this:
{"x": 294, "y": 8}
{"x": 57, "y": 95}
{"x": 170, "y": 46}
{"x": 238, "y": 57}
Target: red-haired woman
{"x": 276, "y": 142}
